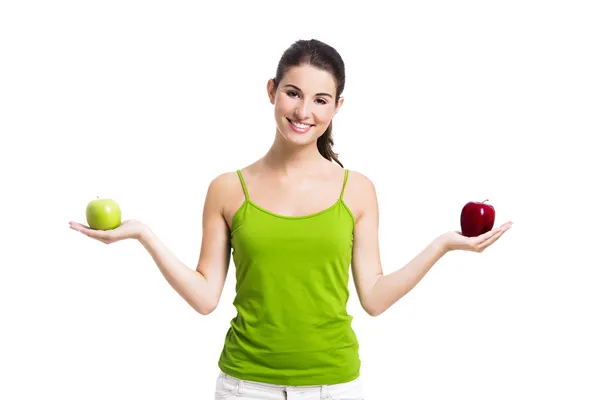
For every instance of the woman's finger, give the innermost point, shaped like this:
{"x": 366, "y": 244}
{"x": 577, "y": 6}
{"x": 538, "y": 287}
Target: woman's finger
{"x": 76, "y": 225}
{"x": 93, "y": 233}
{"x": 488, "y": 242}
{"x": 486, "y": 236}
{"x": 478, "y": 240}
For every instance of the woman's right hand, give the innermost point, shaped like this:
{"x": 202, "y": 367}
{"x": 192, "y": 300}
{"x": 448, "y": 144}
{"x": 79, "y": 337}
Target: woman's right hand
{"x": 129, "y": 229}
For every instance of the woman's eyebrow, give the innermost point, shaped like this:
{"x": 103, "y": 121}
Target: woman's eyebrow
{"x": 318, "y": 94}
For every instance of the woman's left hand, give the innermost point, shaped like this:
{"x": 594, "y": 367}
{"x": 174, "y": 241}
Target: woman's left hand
{"x": 456, "y": 241}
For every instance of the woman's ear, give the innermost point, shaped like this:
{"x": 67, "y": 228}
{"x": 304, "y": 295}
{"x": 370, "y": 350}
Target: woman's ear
{"x": 339, "y": 105}
{"x": 271, "y": 90}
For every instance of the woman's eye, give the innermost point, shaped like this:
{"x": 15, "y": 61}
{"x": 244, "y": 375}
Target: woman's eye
{"x": 293, "y": 93}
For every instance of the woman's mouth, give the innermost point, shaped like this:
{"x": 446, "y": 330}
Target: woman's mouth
{"x": 299, "y": 127}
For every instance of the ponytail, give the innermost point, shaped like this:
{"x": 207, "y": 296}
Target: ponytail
{"x": 325, "y": 145}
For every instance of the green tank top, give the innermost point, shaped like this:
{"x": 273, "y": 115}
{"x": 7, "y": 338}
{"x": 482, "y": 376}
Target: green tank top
{"x": 292, "y": 273}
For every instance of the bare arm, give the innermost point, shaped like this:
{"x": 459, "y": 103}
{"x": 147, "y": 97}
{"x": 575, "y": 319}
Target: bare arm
{"x": 378, "y": 292}
{"x": 200, "y": 288}
{"x": 388, "y": 289}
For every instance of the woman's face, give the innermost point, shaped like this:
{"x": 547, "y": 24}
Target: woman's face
{"x": 304, "y": 103}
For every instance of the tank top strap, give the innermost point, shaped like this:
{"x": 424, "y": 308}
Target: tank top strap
{"x": 344, "y": 185}
{"x": 239, "y": 172}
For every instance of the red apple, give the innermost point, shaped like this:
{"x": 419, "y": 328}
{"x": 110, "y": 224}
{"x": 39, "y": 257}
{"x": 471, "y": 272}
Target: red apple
{"x": 477, "y": 218}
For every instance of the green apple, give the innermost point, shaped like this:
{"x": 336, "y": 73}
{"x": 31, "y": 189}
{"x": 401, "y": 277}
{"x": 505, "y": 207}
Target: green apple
{"x": 103, "y": 214}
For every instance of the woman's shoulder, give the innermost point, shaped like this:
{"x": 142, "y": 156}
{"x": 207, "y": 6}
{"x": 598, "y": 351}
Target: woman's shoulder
{"x": 225, "y": 188}
{"x": 231, "y": 178}
{"x": 224, "y": 181}
{"x": 359, "y": 181}
{"x": 359, "y": 194}
{"x": 226, "y": 193}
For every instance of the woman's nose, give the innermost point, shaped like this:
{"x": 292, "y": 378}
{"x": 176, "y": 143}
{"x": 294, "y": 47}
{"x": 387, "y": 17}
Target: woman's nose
{"x": 303, "y": 110}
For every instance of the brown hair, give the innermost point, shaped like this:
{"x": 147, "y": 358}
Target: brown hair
{"x": 320, "y": 55}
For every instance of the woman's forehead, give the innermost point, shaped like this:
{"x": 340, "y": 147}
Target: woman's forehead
{"x": 310, "y": 79}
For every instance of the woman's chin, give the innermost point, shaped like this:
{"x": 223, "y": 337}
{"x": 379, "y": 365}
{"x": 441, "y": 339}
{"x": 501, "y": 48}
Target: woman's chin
{"x": 296, "y": 138}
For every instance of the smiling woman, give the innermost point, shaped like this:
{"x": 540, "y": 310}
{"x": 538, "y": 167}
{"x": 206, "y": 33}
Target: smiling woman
{"x": 311, "y": 77}
{"x": 303, "y": 109}
{"x": 295, "y": 221}
{"x": 295, "y": 92}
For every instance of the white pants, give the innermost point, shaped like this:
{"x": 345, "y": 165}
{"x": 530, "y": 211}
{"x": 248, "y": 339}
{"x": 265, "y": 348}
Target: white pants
{"x": 232, "y": 388}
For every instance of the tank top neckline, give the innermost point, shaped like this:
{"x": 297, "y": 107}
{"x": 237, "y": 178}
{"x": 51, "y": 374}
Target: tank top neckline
{"x": 248, "y": 201}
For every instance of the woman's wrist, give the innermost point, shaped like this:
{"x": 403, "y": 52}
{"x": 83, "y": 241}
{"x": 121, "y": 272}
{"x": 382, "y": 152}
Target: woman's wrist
{"x": 442, "y": 243}
{"x": 145, "y": 234}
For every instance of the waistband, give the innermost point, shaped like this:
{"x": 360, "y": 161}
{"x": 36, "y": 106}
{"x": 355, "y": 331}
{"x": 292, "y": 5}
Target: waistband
{"x": 274, "y": 387}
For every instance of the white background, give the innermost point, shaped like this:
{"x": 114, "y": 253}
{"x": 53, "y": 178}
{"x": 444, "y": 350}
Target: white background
{"x": 145, "y": 102}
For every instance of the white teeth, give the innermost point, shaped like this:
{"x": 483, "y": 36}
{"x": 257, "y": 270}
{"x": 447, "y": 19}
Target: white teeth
{"x": 301, "y": 126}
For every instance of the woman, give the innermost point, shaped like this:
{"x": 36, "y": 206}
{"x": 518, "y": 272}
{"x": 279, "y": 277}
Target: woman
{"x": 296, "y": 221}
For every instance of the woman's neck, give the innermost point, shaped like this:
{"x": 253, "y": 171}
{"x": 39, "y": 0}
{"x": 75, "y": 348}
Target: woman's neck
{"x": 291, "y": 159}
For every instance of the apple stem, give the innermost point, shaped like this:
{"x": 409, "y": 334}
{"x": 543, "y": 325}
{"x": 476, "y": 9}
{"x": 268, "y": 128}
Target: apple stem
{"x": 485, "y": 200}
